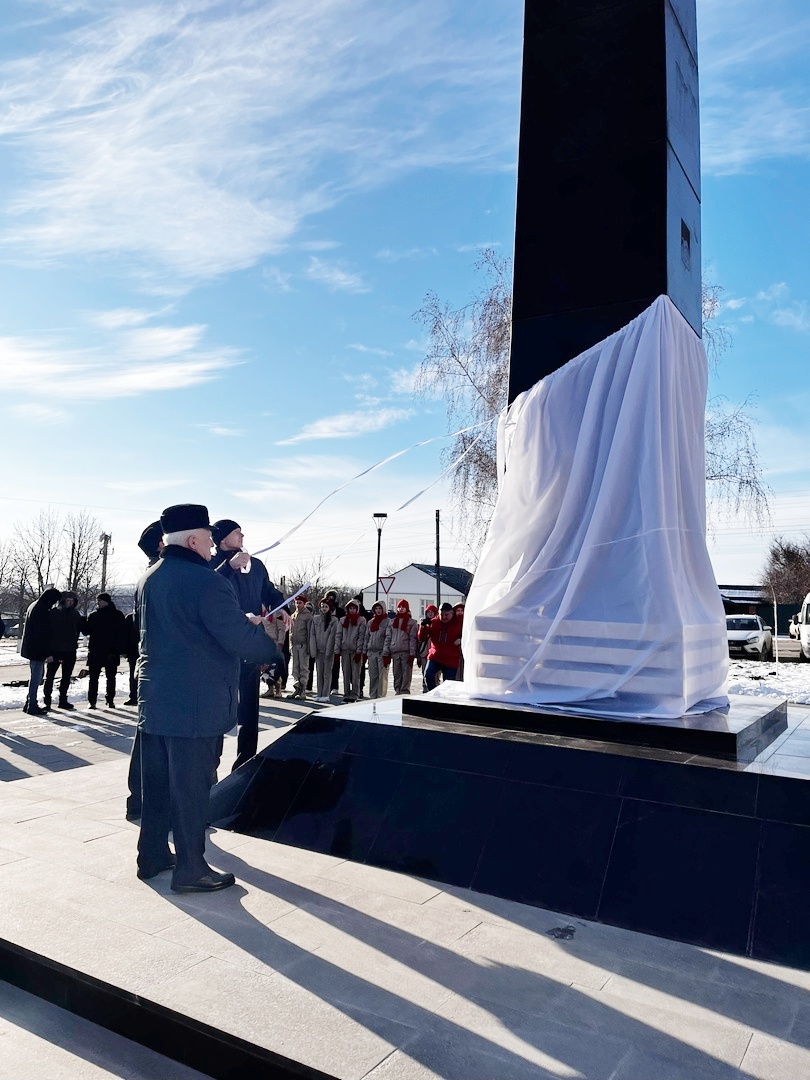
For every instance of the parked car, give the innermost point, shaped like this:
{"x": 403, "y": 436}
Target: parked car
{"x": 793, "y": 626}
{"x": 804, "y": 629}
{"x": 749, "y": 638}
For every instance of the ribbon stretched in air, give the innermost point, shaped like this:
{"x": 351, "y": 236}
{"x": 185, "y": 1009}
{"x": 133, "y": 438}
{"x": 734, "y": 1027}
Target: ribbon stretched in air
{"x": 446, "y": 472}
{"x": 357, "y": 539}
{"x": 371, "y": 469}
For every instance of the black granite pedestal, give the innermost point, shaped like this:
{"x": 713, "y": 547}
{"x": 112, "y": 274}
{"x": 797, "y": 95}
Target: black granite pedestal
{"x": 688, "y": 845}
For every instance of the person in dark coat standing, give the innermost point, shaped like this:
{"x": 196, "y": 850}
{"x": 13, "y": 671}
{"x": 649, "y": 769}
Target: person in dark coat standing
{"x": 151, "y": 544}
{"x": 65, "y": 625}
{"x": 105, "y": 629}
{"x": 36, "y": 646}
{"x": 255, "y": 594}
{"x": 193, "y": 637}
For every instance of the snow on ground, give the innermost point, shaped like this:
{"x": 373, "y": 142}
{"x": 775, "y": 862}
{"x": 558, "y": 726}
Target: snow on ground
{"x": 755, "y": 679}
{"x": 748, "y": 677}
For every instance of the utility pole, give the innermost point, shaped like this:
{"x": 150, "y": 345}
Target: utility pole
{"x": 71, "y": 584}
{"x": 105, "y": 543}
{"x": 438, "y": 565}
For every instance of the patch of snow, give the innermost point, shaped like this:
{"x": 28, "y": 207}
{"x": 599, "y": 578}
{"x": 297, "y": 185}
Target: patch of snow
{"x": 755, "y": 679}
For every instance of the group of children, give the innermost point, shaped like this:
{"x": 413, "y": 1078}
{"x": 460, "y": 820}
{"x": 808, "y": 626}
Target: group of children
{"x": 331, "y": 640}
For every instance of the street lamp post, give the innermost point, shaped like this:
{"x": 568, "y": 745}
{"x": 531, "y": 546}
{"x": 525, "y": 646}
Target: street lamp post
{"x": 379, "y": 521}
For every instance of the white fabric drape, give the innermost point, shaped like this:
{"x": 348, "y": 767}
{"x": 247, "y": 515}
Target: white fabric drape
{"x": 595, "y": 592}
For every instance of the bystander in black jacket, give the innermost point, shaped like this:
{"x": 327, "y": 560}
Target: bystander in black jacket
{"x": 36, "y": 643}
{"x": 106, "y": 631}
{"x": 65, "y": 625}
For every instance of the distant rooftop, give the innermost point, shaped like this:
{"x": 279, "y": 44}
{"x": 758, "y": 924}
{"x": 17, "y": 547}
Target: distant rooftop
{"x": 454, "y": 577}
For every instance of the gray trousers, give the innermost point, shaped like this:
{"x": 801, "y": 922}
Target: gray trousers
{"x": 300, "y": 659}
{"x": 403, "y": 670}
{"x": 376, "y": 675}
{"x": 323, "y": 672}
{"x": 351, "y": 675}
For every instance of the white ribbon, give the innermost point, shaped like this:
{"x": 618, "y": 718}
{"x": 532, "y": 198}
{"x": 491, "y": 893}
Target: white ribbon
{"x": 379, "y": 465}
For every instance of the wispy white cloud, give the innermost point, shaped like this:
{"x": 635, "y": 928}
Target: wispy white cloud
{"x": 775, "y": 305}
{"x": 277, "y": 279}
{"x": 304, "y": 467}
{"x": 121, "y": 317}
{"x": 403, "y": 380}
{"x": 369, "y": 349}
{"x": 319, "y": 245}
{"x": 777, "y": 291}
{"x": 466, "y": 248}
{"x": 795, "y": 316}
{"x": 753, "y": 109}
{"x": 292, "y": 480}
{"x": 335, "y": 276}
{"x": 194, "y": 139}
{"x": 148, "y": 485}
{"x": 348, "y": 425}
{"x": 221, "y": 431}
{"x": 38, "y": 413}
{"x": 389, "y": 255}
{"x": 125, "y": 364}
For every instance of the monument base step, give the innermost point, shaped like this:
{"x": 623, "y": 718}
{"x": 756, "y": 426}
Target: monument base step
{"x": 705, "y": 850}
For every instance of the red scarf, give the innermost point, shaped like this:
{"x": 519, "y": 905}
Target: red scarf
{"x": 377, "y": 621}
{"x": 351, "y": 620}
{"x": 401, "y": 621}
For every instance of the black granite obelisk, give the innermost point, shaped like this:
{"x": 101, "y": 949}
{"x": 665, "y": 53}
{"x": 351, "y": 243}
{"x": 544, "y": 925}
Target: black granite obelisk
{"x": 608, "y": 196}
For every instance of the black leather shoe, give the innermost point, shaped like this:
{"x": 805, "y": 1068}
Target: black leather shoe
{"x": 131, "y": 701}
{"x": 66, "y": 705}
{"x": 146, "y": 875}
{"x": 207, "y": 883}
{"x": 34, "y": 710}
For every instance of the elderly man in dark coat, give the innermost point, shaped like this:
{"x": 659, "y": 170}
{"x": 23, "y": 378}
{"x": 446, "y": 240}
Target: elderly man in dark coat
{"x": 193, "y": 637}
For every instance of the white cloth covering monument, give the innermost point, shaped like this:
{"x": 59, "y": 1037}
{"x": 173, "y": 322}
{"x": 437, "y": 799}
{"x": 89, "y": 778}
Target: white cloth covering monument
{"x": 594, "y": 591}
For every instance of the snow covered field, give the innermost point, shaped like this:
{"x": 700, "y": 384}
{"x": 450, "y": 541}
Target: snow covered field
{"x": 790, "y": 680}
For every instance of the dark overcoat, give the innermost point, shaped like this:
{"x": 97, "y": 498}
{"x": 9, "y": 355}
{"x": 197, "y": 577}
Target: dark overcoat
{"x": 37, "y": 642}
{"x": 106, "y": 632}
{"x": 253, "y": 589}
{"x": 65, "y": 625}
{"x": 192, "y": 636}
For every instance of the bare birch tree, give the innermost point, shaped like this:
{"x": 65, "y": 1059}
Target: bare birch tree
{"x": 63, "y": 551}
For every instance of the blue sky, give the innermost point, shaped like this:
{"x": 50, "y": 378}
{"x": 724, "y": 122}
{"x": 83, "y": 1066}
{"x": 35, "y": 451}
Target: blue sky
{"x": 216, "y": 221}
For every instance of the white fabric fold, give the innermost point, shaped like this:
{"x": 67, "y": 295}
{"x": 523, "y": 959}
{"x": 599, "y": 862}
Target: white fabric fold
{"x": 595, "y": 592}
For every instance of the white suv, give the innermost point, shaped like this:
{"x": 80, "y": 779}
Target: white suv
{"x": 749, "y": 638}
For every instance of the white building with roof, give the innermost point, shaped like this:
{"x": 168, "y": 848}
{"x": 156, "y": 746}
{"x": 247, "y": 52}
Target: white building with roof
{"x": 416, "y": 583}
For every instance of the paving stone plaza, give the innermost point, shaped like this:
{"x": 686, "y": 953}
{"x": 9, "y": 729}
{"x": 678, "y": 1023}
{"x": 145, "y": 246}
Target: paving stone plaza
{"x": 346, "y": 969}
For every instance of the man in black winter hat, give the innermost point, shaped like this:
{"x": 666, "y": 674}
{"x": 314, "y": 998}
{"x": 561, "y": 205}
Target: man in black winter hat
{"x": 193, "y": 637}
{"x": 255, "y": 592}
{"x": 105, "y": 629}
{"x": 151, "y": 542}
